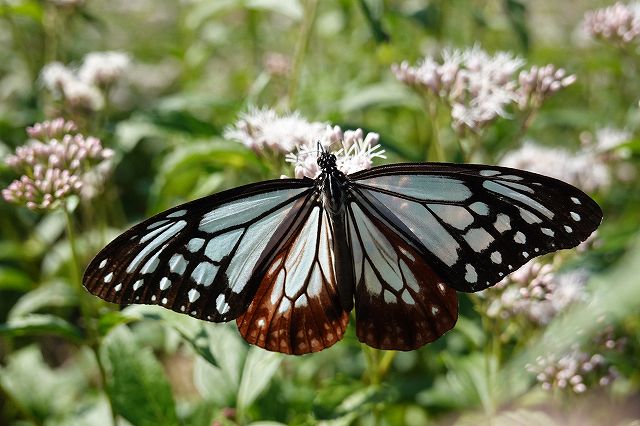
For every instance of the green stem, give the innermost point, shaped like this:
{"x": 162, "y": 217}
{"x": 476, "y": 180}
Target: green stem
{"x": 434, "y": 151}
{"x": 85, "y": 308}
{"x": 378, "y": 363}
{"x": 301, "y": 49}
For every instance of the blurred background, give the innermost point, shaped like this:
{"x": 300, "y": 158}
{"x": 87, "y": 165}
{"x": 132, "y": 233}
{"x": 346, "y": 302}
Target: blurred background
{"x": 146, "y": 104}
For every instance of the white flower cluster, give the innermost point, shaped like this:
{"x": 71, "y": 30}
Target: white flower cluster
{"x": 538, "y": 83}
{"x": 81, "y": 87}
{"x": 56, "y": 166}
{"x": 575, "y": 370}
{"x": 479, "y": 87}
{"x": 264, "y": 130}
{"x": 588, "y": 169}
{"x": 535, "y": 292}
{"x": 356, "y": 152}
{"x": 619, "y": 23}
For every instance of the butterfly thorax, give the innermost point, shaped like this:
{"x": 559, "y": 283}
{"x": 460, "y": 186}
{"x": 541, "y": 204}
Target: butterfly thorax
{"x": 331, "y": 182}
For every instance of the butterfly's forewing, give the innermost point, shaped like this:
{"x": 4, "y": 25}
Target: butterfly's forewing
{"x": 197, "y": 258}
{"x": 401, "y": 302}
{"x": 475, "y": 224}
{"x": 296, "y": 309}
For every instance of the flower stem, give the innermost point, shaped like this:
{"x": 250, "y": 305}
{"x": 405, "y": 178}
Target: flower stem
{"x": 302, "y": 46}
{"x": 434, "y": 151}
{"x": 378, "y": 363}
{"x": 85, "y": 308}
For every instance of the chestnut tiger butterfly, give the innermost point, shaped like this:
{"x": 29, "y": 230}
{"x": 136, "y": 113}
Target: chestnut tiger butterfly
{"x": 289, "y": 259}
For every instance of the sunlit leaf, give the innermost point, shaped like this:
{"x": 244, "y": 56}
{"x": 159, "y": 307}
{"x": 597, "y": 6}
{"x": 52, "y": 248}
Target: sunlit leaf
{"x": 137, "y": 382}
{"x": 39, "y": 324}
{"x": 258, "y": 370}
{"x": 380, "y": 95}
{"x": 55, "y": 294}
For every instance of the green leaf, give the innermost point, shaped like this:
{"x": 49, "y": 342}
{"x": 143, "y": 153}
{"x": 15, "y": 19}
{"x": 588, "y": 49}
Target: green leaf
{"x": 43, "y": 392}
{"x": 289, "y": 8}
{"x": 14, "y": 279}
{"x": 520, "y": 417}
{"x": 373, "y": 12}
{"x": 380, "y": 95}
{"x": 31, "y": 9}
{"x": 37, "y": 324}
{"x": 137, "y": 383}
{"x": 517, "y": 15}
{"x": 56, "y": 294}
{"x": 110, "y": 320}
{"x": 189, "y": 328}
{"x": 258, "y": 370}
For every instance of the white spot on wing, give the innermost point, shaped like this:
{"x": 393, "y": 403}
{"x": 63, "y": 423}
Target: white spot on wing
{"x": 489, "y": 172}
{"x": 137, "y": 285}
{"x": 371, "y": 280}
{"x": 547, "y": 231}
{"x": 480, "y": 208}
{"x": 195, "y": 244}
{"x": 157, "y": 242}
{"x": 520, "y": 238}
{"x": 502, "y": 223}
{"x": 157, "y": 224}
{"x": 456, "y": 216}
{"x": 575, "y": 216}
{"x": 406, "y": 297}
{"x": 471, "y": 276}
{"x": 412, "y": 282}
{"x": 165, "y": 283}
{"x": 496, "y": 257}
{"x": 204, "y": 273}
{"x": 528, "y": 216}
{"x": 575, "y": 200}
{"x": 508, "y": 192}
{"x": 177, "y": 213}
{"x": 164, "y": 300}
{"x": 422, "y": 187}
{"x": 478, "y": 239}
{"x": 153, "y": 298}
{"x": 193, "y": 295}
{"x": 568, "y": 229}
{"x": 151, "y": 264}
{"x": 285, "y": 305}
{"x": 177, "y": 264}
{"x": 301, "y": 302}
{"x": 118, "y": 287}
{"x": 103, "y": 263}
{"x": 220, "y": 302}
{"x": 276, "y": 292}
{"x": 222, "y": 245}
{"x": 108, "y": 277}
{"x": 390, "y": 297}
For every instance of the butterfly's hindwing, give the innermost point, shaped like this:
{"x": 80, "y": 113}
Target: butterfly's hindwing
{"x": 297, "y": 309}
{"x": 476, "y": 224}
{"x": 196, "y": 258}
{"x": 400, "y": 302}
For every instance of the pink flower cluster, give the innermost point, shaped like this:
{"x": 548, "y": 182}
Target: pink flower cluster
{"x": 59, "y": 163}
{"x": 619, "y": 23}
{"x": 478, "y": 87}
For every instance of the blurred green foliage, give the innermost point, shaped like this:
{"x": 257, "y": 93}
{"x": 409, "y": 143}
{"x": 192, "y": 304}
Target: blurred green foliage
{"x": 198, "y": 64}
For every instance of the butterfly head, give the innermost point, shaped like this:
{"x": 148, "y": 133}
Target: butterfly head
{"x": 327, "y": 161}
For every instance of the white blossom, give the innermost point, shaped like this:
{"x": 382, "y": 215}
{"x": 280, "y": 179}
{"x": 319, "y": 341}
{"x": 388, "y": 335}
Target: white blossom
{"x": 102, "y": 68}
{"x": 264, "y": 129}
{"x": 619, "y": 23}
{"x": 57, "y": 166}
{"x": 356, "y": 152}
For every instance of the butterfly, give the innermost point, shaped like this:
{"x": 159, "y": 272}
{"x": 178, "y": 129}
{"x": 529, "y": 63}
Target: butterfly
{"x": 289, "y": 259}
